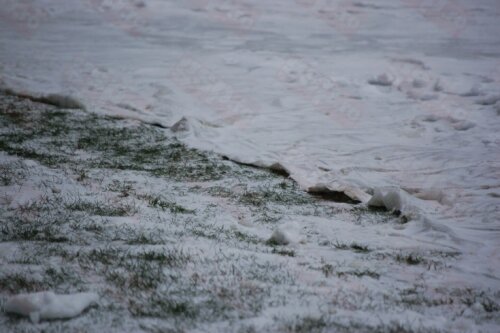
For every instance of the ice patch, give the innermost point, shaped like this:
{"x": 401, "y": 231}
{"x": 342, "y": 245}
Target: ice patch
{"x": 47, "y": 305}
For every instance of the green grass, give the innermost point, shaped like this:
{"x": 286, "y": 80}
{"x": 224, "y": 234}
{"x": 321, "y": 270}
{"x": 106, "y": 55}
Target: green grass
{"x": 327, "y": 270}
{"x": 308, "y": 324}
{"x": 12, "y": 173}
{"x": 116, "y": 214}
{"x": 20, "y": 282}
{"x": 161, "y": 203}
{"x": 284, "y": 252}
{"x": 356, "y": 247}
{"x": 359, "y": 273}
{"x": 163, "y": 307}
{"x": 166, "y": 257}
{"x": 102, "y": 208}
{"x": 410, "y": 259}
{"x": 264, "y": 195}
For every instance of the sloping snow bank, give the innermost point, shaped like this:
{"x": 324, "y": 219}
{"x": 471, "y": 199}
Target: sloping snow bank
{"x": 47, "y": 305}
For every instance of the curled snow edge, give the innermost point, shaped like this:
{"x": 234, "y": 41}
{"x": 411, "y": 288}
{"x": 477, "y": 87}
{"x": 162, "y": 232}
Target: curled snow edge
{"x": 57, "y": 100}
{"x": 47, "y": 305}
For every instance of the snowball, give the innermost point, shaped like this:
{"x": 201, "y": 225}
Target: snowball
{"x": 47, "y": 305}
{"x": 280, "y": 237}
{"x": 391, "y": 199}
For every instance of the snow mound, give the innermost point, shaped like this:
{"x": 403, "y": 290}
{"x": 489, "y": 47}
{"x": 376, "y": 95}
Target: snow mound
{"x": 463, "y": 125}
{"x": 284, "y": 235}
{"x": 393, "y": 199}
{"x": 381, "y": 80}
{"x": 180, "y": 126}
{"x": 47, "y": 305}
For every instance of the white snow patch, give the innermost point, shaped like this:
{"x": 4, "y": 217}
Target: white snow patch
{"x": 284, "y": 235}
{"x": 393, "y": 199}
{"x": 463, "y": 125}
{"x": 47, "y": 305}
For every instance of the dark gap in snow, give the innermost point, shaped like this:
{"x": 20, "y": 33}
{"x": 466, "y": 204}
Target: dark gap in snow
{"x": 278, "y": 169}
{"x": 337, "y": 196}
{"x": 275, "y": 168}
{"x": 155, "y": 124}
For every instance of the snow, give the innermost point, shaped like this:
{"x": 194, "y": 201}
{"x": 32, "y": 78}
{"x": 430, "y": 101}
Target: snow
{"x": 47, "y": 305}
{"x": 384, "y": 80}
{"x": 285, "y": 234}
{"x": 280, "y": 237}
{"x": 342, "y": 96}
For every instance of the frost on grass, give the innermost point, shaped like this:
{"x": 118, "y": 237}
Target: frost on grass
{"x": 174, "y": 239}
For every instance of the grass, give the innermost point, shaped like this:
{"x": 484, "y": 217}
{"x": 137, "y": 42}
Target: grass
{"x": 161, "y": 203}
{"x": 356, "y": 247}
{"x": 129, "y": 211}
{"x": 19, "y": 282}
{"x": 279, "y": 194}
{"x": 410, "y": 259}
{"x": 327, "y": 270}
{"x": 165, "y": 257}
{"x": 308, "y": 324}
{"x": 12, "y": 173}
{"x": 45, "y": 227}
{"x": 242, "y": 237}
{"x": 284, "y": 252}
{"x": 163, "y": 307}
{"x": 141, "y": 237}
{"x": 102, "y": 208}
{"x": 359, "y": 273}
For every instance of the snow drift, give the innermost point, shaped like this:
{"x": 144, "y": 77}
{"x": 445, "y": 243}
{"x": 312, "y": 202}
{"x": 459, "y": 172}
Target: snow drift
{"x": 47, "y": 305}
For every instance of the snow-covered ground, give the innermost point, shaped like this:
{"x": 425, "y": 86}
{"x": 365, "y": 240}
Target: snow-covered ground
{"x": 162, "y": 238}
{"x": 397, "y": 99}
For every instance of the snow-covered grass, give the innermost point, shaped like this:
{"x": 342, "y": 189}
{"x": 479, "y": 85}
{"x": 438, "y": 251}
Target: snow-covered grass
{"x": 174, "y": 239}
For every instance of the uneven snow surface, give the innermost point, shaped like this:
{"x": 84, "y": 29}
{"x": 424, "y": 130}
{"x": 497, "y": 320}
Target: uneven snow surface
{"x": 398, "y": 100}
{"x": 174, "y": 239}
